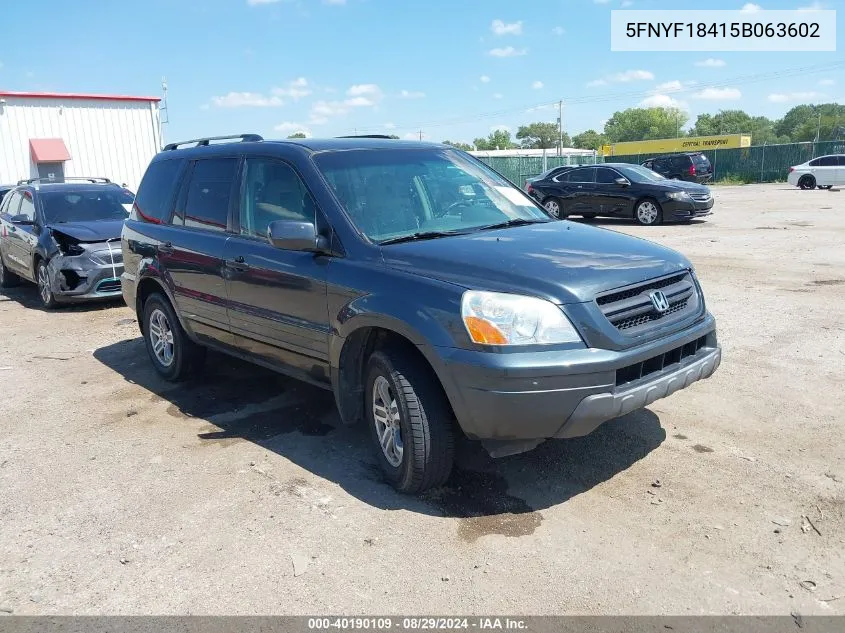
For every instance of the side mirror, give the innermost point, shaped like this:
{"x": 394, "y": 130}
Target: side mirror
{"x": 22, "y": 219}
{"x": 622, "y": 182}
{"x": 290, "y": 235}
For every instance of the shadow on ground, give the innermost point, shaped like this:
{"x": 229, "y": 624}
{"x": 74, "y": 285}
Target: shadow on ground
{"x": 26, "y": 295}
{"x": 611, "y": 222}
{"x": 236, "y": 401}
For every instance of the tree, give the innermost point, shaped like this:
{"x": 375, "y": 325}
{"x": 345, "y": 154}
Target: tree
{"x": 541, "y": 136}
{"x": 497, "y": 139}
{"x": 641, "y": 124}
{"x": 297, "y": 135}
{"x": 588, "y": 139}
{"x": 825, "y": 122}
{"x": 737, "y": 122}
{"x": 393, "y": 136}
{"x": 457, "y": 144}
{"x": 792, "y": 120}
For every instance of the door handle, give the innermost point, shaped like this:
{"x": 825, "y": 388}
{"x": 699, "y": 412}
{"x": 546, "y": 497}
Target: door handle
{"x": 238, "y": 263}
{"x": 165, "y": 248}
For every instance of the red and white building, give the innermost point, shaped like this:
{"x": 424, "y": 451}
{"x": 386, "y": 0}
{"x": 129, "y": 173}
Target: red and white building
{"x": 57, "y": 135}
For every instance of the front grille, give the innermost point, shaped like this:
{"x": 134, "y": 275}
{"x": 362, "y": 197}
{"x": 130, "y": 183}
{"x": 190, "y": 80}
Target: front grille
{"x": 108, "y": 285}
{"x": 700, "y": 197}
{"x": 631, "y": 311}
{"x": 659, "y": 363}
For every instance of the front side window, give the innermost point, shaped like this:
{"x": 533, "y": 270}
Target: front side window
{"x": 272, "y": 191}
{"x": 12, "y": 204}
{"x": 85, "y": 204}
{"x": 394, "y": 193}
{"x": 27, "y": 207}
{"x": 606, "y": 176}
{"x": 209, "y": 193}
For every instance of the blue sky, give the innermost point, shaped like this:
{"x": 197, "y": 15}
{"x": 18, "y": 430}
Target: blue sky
{"x": 452, "y": 68}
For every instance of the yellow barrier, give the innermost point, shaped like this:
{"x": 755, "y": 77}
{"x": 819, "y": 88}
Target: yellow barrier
{"x": 682, "y": 144}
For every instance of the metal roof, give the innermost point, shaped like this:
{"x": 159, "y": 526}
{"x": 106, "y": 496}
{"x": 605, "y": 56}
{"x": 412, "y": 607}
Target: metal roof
{"x": 76, "y": 95}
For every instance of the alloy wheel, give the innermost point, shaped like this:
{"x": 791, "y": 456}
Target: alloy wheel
{"x": 647, "y": 212}
{"x": 44, "y": 285}
{"x": 386, "y": 418}
{"x": 553, "y": 208}
{"x": 161, "y": 338}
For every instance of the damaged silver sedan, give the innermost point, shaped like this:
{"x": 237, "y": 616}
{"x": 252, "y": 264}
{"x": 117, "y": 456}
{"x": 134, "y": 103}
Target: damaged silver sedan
{"x": 65, "y": 238}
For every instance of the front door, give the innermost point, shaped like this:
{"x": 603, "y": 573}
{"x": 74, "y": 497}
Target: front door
{"x": 611, "y": 197}
{"x": 278, "y": 306}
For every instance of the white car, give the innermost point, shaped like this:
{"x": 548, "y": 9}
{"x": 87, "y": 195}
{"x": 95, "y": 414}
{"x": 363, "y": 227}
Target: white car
{"x": 823, "y": 172}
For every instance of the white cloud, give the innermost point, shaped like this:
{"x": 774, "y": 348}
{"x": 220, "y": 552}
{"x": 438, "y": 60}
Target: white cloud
{"x": 601, "y": 1}
{"x": 669, "y": 86}
{"x": 545, "y": 106}
{"x": 558, "y": 30}
{"x": 205, "y": 106}
{"x": 410, "y": 94}
{"x": 289, "y": 127}
{"x": 663, "y": 101}
{"x": 247, "y": 100}
{"x": 780, "y": 97}
{"x": 815, "y": 6}
{"x": 389, "y": 126}
{"x": 501, "y": 28}
{"x": 296, "y": 89}
{"x": 827, "y": 82}
{"x": 750, "y": 7}
{"x": 322, "y": 111}
{"x": 484, "y": 79}
{"x": 364, "y": 90}
{"x": 624, "y": 77}
{"x": 710, "y": 62}
{"x": 498, "y": 95}
{"x": 719, "y": 94}
{"x": 359, "y": 102}
{"x": 507, "y": 51}
{"x": 537, "y": 85}
{"x": 334, "y": 1}
{"x": 414, "y": 136}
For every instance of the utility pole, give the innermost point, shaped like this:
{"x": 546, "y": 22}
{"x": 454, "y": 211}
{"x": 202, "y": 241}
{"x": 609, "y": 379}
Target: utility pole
{"x": 163, "y": 111}
{"x": 560, "y": 128}
{"x": 420, "y": 134}
{"x": 819, "y": 129}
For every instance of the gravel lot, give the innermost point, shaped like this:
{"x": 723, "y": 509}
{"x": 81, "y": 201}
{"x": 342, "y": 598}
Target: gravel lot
{"x": 239, "y": 493}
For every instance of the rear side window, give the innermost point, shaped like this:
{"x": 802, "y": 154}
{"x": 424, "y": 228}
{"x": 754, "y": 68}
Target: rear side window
{"x": 154, "y": 201}
{"x": 826, "y": 161}
{"x": 209, "y": 193}
{"x": 582, "y": 174}
{"x": 701, "y": 160}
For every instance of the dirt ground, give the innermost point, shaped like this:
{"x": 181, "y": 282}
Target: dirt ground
{"x": 240, "y": 494}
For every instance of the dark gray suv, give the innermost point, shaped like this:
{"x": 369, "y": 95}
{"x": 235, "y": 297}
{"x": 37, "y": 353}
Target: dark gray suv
{"x": 430, "y": 295}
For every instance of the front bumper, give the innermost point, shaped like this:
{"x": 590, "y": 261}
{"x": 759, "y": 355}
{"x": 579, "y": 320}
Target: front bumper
{"x": 540, "y": 395}
{"x": 684, "y": 210}
{"x": 78, "y": 278}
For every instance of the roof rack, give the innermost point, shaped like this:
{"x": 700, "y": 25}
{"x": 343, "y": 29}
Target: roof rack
{"x": 29, "y": 181}
{"x": 202, "y": 142}
{"x": 368, "y": 136}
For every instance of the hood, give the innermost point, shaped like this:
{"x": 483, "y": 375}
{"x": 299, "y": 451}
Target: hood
{"x": 97, "y": 231}
{"x": 689, "y": 187}
{"x": 563, "y": 262}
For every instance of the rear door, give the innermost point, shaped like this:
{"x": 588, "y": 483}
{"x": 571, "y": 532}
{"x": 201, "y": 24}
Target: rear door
{"x": 192, "y": 257}
{"x": 580, "y": 186}
{"x": 9, "y": 236}
{"x": 278, "y": 307}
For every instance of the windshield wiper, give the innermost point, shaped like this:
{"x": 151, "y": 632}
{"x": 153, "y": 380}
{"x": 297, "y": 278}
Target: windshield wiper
{"x": 420, "y": 235}
{"x": 509, "y": 223}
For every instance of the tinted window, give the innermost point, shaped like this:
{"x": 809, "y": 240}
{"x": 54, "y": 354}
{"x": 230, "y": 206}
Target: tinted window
{"x": 659, "y": 164}
{"x": 701, "y": 160}
{"x": 209, "y": 192}
{"x": 27, "y": 207}
{"x": 13, "y": 203}
{"x": 154, "y": 201}
{"x": 272, "y": 191}
{"x": 680, "y": 162}
{"x": 606, "y": 176}
{"x": 828, "y": 161}
{"x": 842, "y": 160}
{"x": 582, "y": 174}
{"x": 86, "y": 204}
{"x": 392, "y": 194}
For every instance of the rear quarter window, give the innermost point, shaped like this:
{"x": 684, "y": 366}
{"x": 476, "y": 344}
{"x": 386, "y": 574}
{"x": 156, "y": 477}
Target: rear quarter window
{"x": 154, "y": 202}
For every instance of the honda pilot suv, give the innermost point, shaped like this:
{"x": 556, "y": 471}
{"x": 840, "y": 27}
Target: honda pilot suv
{"x": 430, "y": 295}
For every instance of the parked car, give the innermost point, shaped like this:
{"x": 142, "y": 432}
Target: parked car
{"x": 689, "y": 166}
{"x": 427, "y": 313}
{"x": 549, "y": 173}
{"x": 621, "y": 190}
{"x": 823, "y": 172}
{"x": 63, "y": 236}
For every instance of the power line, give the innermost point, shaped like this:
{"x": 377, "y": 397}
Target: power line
{"x": 739, "y": 80}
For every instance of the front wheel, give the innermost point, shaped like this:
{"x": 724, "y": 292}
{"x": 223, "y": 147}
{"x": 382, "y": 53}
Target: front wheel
{"x": 45, "y": 290}
{"x": 174, "y": 356}
{"x": 555, "y": 208}
{"x": 648, "y": 213}
{"x": 807, "y": 182}
{"x": 410, "y": 421}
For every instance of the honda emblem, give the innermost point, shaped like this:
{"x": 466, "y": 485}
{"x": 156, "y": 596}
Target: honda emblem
{"x": 659, "y": 301}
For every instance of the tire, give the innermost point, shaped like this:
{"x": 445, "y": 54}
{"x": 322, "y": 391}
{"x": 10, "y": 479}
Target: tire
{"x": 807, "y": 182}
{"x": 8, "y": 279}
{"x": 648, "y": 212}
{"x": 174, "y": 356}
{"x": 589, "y": 216}
{"x": 426, "y": 442}
{"x": 828, "y": 187}
{"x": 42, "y": 280}
{"x": 554, "y": 206}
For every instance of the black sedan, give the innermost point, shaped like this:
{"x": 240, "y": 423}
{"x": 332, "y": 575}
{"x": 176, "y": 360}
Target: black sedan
{"x": 621, "y": 190}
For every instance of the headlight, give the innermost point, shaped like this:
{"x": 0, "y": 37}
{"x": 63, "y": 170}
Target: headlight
{"x": 494, "y": 318}
{"x": 678, "y": 195}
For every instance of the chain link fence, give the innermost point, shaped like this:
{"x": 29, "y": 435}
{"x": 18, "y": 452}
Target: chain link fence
{"x": 760, "y": 163}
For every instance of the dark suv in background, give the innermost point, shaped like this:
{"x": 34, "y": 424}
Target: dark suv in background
{"x": 427, "y": 292}
{"x": 690, "y": 166}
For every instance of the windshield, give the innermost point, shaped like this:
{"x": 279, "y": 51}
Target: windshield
{"x": 638, "y": 173}
{"x": 84, "y": 205}
{"x": 396, "y": 193}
